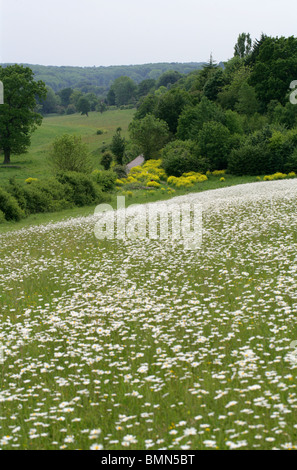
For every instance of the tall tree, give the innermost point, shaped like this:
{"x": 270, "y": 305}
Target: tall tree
{"x": 18, "y": 118}
{"x": 243, "y": 47}
{"x": 118, "y": 145}
{"x": 149, "y": 134}
{"x": 274, "y": 69}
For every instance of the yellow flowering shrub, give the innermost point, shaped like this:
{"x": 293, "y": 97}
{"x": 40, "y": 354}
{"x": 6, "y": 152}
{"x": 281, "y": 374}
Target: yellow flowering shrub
{"x": 219, "y": 172}
{"x": 153, "y": 184}
{"x": 275, "y": 176}
{"x": 187, "y": 180}
{"x": 30, "y": 180}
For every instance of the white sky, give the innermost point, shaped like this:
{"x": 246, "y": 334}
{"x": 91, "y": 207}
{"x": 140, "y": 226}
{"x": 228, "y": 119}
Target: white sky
{"x": 123, "y": 32}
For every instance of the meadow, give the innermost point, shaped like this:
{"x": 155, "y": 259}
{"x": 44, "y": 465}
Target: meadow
{"x": 141, "y": 344}
{"x": 35, "y": 163}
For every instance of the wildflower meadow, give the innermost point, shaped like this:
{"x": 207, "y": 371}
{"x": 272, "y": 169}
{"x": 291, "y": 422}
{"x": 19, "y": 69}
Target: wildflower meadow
{"x": 141, "y": 344}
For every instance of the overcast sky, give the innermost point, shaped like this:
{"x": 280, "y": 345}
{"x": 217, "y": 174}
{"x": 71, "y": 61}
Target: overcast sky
{"x": 123, "y": 32}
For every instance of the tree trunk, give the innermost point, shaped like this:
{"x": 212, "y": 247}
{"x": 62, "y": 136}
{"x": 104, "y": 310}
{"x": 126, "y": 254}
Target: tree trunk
{"x": 6, "y": 157}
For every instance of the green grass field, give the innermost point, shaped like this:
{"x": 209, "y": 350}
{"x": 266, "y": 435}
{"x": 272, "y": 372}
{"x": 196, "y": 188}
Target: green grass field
{"x": 34, "y": 163}
{"x": 142, "y": 344}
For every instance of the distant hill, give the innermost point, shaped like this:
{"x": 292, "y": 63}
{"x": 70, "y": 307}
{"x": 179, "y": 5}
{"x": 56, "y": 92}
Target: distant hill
{"x": 86, "y": 78}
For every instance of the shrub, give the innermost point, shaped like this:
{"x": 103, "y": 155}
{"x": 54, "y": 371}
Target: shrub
{"x": 18, "y": 192}
{"x": 291, "y": 164}
{"x": 46, "y": 196}
{"x": 106, "y": 160}
{"x": 81, "y": 189}
{"x": 250, "y": 160}
{"x": 120, "y": 171}
{"x": 180, "y": 157}
{"x": 71, "y": 109}
{"x": 9, "y": 206}
{"x": 69, "y": 153}
{"x": 106, "y": 179}
{"x": 30, "y": 180}
{"x": 263, "y": 152}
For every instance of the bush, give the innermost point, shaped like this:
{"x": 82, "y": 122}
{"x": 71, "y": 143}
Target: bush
{"x": 106, "y": 160}
{"x": 18, "y": 192}
{"x": 46, "y": 196}
{"x": 263, "y": 152}
{"x": 69, "y": 153}
{"x": 180, "y": 157}
{"x": 106, "y": 179}
{"x": 250, "y": 160}
{"x": 291, "y": 164}
{"x": 120, "y": 171}
{"x": 81, "y": 189}
{"x": 9, "y": 206}
{"x": 70, "y": 109}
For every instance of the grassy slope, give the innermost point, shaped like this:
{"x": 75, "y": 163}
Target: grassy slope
{"x": 152, "y": 345}
{"x": 35, "y": 164}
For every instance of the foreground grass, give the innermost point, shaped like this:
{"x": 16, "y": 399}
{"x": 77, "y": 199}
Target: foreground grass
{"x": 141, "y": 344}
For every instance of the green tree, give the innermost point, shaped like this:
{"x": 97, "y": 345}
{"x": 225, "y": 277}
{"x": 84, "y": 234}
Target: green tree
{"x": 229, "y": 95}
{"x": 101, "y": 106}
{"x": 247, "y": 100}
{"x": 214, "y": 85}
{"x": 145, "y": 87}
{"x": 50, "y": 103}
{"x": 83, "y": 106}
{"x": 93, "y": 100}
{"x": 192, "y": 119}
{"x": 274, "y": 69}
{"x": 69, "y": 153}
{"x": 150, "y": 134}
{"x": 18, "y": 118}
{"x": 180, "y": 157}
{"x": 214, "y": 143}
{"x": 124, "y": 89}
{"x": 146, "y": 105}
{"x": 118, "y": 145}
{"x": 106, "y": 160}
{"x": 65, "y": 96}
{"x": 171, "y": 105}
{"x": 243, "y": 47}
{"x": 169, "y": 78}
